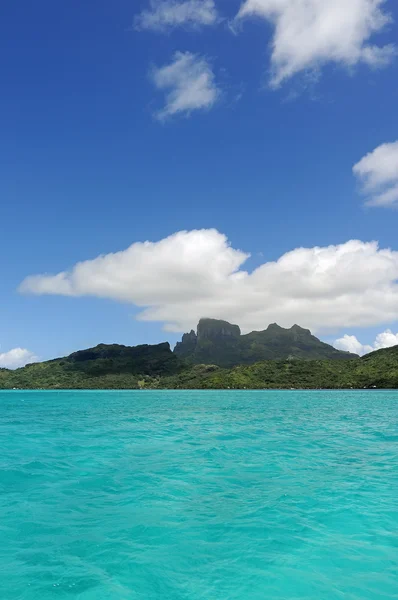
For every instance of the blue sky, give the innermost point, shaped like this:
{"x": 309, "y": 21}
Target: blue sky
{"x": 125, "y": 122}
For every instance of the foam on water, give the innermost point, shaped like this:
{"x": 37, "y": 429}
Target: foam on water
{"x": 198, "y": 495}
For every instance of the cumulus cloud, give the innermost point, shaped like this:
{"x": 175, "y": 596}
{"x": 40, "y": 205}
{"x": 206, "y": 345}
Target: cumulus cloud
{"x": 15, "y": 358}
{"x": 377, "y": 172}
{"x": 350, "y": 343}
{"x": 310, "y": 33}
{"x": 192, "y": 274}
{"x": 164, "y": 15}
{"x": 189, "y": 83}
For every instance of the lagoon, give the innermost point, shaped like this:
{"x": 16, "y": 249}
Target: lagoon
{"x": 198, "y": 495}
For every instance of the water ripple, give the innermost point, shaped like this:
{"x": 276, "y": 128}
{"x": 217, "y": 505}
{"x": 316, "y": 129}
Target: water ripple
{"x": 198, "y": 495}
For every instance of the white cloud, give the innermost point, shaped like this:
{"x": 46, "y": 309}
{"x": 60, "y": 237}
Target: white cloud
{"x": 189, "y": 83}
{"x": 15, "y": 358}
{"x": 197, "y": 273}
{"x": 310, "y": 33}
{"x": 165, "y": 15}
{"x": 350, "y": 343}
{"x": 378, "y": 174}
{"x": 387, "y": 339}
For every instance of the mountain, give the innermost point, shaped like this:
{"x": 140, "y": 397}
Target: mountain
{"x": 105, "y": 366}
{"x": 220, "y": 343}
{"x": 377, "y": 370}
{"x": 144, "y": 360}
{"x": 157, "y": 367}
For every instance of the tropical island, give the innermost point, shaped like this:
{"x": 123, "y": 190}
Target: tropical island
{"x": 216, "y": 356}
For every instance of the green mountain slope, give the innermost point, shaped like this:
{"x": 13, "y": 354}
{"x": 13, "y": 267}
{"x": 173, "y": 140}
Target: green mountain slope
{"x": 220, "y": 343}
{"x": 157, "y": 367}
{"x": 288, "y": 374}
{"x": 105, "y": 366}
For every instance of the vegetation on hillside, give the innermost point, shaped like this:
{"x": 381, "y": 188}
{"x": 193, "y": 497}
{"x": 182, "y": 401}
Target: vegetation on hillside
{"x": 105, "y": 366}
{"x": 156, "y": 367}
{"x": 220, "y": 343}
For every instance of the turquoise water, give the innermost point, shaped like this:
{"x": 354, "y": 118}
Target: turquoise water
{"x": 198, "y": 495}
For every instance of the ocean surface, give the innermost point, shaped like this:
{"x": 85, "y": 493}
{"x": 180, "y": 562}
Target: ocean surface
{"x": 198, "y": 495}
